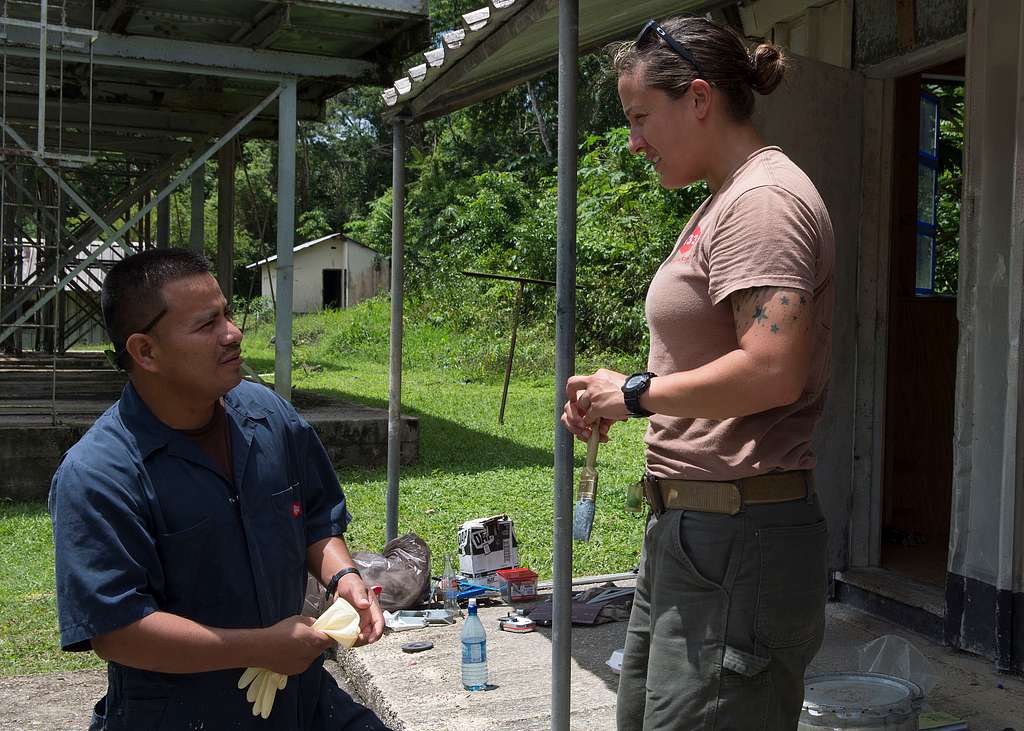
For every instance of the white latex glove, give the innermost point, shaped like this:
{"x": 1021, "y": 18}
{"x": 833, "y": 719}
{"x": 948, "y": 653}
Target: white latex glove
{"x": 340, "y": 622}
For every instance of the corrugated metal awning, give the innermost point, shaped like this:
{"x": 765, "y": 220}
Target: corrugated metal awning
{"x": 509, "y": 42}
{"x": 142, "y": 73}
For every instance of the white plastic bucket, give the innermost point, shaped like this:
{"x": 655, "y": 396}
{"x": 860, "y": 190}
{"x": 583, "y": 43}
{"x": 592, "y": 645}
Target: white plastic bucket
{"x": 863, "y": 701}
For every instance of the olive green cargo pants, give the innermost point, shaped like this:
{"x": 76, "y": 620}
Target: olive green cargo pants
{"x": 729, "y": 611}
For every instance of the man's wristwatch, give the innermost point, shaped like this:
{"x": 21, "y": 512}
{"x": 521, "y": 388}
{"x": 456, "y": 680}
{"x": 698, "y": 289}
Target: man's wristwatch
{"x": 333, "y": 585}
{"x": 635, "y": 387}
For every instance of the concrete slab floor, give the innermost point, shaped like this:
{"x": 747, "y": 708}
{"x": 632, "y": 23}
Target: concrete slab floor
{"x": 423, "y": 691}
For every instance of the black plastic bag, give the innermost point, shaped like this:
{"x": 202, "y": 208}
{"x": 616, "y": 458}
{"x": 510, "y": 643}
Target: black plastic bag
{"x": 402, "y": 570}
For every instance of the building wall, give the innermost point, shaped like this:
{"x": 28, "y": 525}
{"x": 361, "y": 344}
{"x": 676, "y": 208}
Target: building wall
{"x": 816, "y": 118}
{"x": 369, "y": 274}
{"x": 985, "y": 584}
{"x": 309, "y": 266}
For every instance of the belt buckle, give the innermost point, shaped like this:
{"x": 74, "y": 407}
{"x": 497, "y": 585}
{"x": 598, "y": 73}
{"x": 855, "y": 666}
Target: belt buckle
{"x": 653, "y": 493}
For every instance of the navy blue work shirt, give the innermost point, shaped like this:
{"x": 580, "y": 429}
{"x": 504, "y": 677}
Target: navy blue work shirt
{"x": 143, "y": 520}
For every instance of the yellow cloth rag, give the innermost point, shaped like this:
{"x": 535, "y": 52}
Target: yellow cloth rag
{"x": 340, "y": 622}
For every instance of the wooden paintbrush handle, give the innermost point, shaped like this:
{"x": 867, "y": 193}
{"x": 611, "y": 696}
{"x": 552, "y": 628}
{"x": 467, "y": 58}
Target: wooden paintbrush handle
{"x": 592, "y": 444}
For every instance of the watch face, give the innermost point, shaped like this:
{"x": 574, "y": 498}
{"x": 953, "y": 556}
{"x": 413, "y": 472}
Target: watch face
{"x": 634, "y": 381}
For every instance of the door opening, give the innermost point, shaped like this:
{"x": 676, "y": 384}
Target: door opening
{"x": 333, "y": 289}
{"x": 923, "y": 328}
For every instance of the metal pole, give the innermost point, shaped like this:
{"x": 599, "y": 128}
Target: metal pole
{"x": 397, "y": 285}
{"x": 565, "y": 361}
{"x": 226, "y": 220}
{"x": 197, "y": 232}
{"x": 163, "y": 223}
{"x": 41, "y": 121}
{"x": 511, "y": 351}
{"x": 286, "y": 125}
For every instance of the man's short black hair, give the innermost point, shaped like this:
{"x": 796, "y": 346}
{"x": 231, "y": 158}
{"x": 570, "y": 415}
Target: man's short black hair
{"x": 132, "y": 295}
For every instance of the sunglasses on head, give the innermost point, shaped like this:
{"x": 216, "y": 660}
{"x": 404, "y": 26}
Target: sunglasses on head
{"x": 680, "y": 50}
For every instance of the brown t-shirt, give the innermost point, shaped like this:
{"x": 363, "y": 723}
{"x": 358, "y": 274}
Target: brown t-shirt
{"x": 766, "y": 227}
{"x": 215, "y": 440}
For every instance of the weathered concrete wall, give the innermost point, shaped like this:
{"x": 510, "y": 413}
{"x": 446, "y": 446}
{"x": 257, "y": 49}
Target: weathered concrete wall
{"x": 358, "y": 436}
{"x": 815, "y": 116}
{"x": 30, "y": 455}
{"x": 369, "y": 278}
{"x": 877, "y": 33}
{"x": 985, "y": 578}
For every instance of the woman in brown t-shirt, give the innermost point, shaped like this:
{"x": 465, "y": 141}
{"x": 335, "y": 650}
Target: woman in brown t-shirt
{"x": 729, "y": 608}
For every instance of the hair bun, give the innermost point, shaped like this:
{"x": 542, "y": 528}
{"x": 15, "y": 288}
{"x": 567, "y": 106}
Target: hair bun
{"x": 768, "y": 66}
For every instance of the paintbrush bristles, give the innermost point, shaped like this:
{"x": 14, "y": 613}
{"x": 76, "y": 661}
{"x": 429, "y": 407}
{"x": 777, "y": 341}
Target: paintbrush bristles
{"x": 583, "y": 516}
{"x": 583, "y": 520}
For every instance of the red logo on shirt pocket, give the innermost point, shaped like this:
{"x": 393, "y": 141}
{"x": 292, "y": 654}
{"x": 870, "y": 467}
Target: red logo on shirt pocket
{"x": 691, "y": 241}
{"x": 296, "y": 509}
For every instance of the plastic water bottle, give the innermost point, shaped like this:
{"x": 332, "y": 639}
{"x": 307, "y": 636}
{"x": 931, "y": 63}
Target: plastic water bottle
{"x": 450, "y": 588}
{"x": 474, "y": 651}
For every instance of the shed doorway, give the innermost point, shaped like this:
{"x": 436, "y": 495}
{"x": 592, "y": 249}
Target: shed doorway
{"x": 334, "y": 289}
{"x": 923, "y": 329}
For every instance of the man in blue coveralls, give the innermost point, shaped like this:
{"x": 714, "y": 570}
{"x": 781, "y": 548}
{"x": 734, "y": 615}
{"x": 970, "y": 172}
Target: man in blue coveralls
{"x": 186, "y": 518}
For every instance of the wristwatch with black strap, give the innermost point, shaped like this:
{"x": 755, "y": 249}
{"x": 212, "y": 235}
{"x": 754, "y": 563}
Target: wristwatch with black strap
{"x": 636, "y": 386}
{"x": 332, "y": 586}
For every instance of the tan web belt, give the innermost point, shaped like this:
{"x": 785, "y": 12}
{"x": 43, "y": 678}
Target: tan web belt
{"x": 707, "y": 496}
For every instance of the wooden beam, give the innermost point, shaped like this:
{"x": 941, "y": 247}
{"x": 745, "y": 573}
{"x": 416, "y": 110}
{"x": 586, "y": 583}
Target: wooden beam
{"x": 905, "y": 32}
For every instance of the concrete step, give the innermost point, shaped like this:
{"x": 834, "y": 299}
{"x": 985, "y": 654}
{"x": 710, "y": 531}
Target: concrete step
{"x": 64, "y": 360}
{"x": 62, "y": 376}
{"x": 46, "y": 392}
{"x": 39, "y": 413}
{"x": 77, "y": 391}
{"x": 78, "y": 376}
{"x": 897, "y": 598}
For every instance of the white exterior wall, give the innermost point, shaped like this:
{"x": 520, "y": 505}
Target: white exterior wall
{"x": 366, "y": 277}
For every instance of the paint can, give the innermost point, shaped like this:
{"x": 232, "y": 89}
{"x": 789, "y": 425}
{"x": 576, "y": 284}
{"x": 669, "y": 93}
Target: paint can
{"x": 862, "y": 701}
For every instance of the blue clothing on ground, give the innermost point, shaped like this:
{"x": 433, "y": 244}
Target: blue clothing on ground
{"x": 143, "y": 520}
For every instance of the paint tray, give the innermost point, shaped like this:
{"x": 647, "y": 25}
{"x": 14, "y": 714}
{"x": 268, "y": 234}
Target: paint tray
{"x": 430, "y": 616}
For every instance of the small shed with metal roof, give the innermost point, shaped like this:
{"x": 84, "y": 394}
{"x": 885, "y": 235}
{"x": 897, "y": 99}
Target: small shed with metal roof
{"x": 330, "y": 273}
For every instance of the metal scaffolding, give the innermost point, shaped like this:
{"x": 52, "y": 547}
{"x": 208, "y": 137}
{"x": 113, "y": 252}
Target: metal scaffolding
{"x": 108, "y": 107}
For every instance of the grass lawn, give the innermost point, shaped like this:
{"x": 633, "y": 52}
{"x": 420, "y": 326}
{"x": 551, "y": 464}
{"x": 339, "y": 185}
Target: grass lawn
{"x": 469, "y": 466}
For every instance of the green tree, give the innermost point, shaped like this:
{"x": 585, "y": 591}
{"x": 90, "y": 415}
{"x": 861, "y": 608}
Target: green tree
{"x": 951, "y": 152}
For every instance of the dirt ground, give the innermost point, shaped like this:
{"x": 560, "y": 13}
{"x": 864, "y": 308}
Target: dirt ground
{"x": 51, "y": 700}
{"x": 59, "y": 701}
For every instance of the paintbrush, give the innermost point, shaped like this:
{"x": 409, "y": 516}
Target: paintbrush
{"x": 583, "y": 516}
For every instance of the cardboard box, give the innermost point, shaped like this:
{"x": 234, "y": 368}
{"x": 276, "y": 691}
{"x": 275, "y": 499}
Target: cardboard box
{"x": 486, "y": 545}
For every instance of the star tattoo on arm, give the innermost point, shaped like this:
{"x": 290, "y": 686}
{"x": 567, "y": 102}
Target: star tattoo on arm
{"x": 776, "y": 310}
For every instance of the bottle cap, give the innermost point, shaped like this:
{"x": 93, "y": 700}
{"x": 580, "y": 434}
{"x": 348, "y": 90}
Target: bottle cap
{"x": 472, "y": 606}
